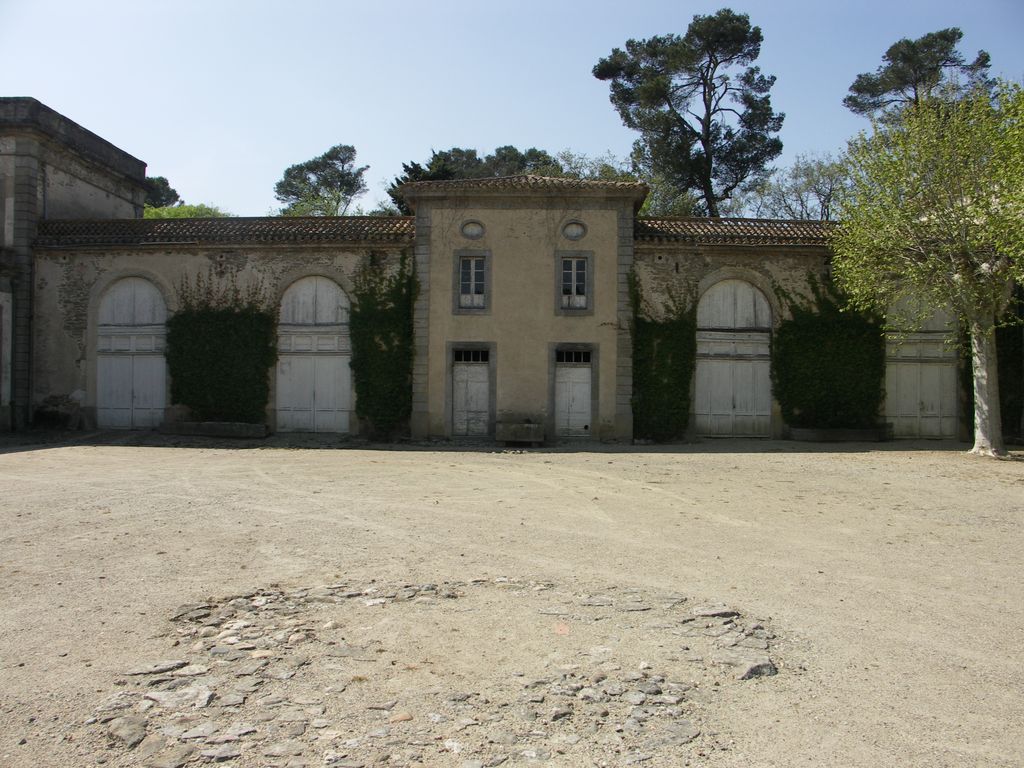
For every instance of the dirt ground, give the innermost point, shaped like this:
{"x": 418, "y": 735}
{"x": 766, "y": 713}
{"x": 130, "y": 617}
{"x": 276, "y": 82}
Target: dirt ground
{"x": 887, "y": 577}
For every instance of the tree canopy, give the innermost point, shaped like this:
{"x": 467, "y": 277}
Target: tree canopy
{"x": 703, "y": 112}
{"x": 458, "y": 163}
{"x": 323, "y": 186}
{"x": 915, "y": 70}
{"x": 159, "y": 193}
{"x": 185, "y": 211}
{"x": 933, "y": 216}
{"x": 579, "y": 165}
{"x": 804, "y": 190}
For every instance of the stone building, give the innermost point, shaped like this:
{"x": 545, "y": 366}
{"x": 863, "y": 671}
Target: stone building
{"x": 522, "y": 323}
{"x": 50, "y": 168}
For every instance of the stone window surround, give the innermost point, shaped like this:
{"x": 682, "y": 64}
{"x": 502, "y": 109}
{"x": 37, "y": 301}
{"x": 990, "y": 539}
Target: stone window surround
{"x": 458, "y": 255}
{"x": 571, "y": 311}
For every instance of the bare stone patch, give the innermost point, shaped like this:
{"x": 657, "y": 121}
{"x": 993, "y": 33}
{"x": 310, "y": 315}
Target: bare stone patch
{"x": 405, "y": 674}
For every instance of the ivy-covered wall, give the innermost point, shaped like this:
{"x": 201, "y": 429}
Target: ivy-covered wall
{"x": 68, "y": 280}
{"x": 664, "y": 355}
{"x": 221, "y": 346}
{"x": 828, "y": 362}
{"x": 382, "y": 347}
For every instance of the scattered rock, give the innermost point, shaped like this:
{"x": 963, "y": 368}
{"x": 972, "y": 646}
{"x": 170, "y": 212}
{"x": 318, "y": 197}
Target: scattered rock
{"x": 175, "y": 757}
{"x": 201, "y": 731}
{"x": 157, "y": 667}
{"x": 127, "y": 729}
{"x": 598, "y": 697}
{"x": 221, "y": 753}
{"x": 713, "y": 611}
{"x": 760, "y": 667}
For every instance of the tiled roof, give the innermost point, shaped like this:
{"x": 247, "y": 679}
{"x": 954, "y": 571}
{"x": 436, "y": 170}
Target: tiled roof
{"x": 282, "y": 229}
{"x": 525, "y": 182}
{"x": 731, "y": 231}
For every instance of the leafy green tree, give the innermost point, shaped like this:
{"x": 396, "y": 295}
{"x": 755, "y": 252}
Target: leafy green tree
{"x": 159, "y": 193}
{"x": 665, "y": 199}
{"x": 184, "y": 211}
{"x": 458, "y": 163}
{"x": 915, "y": 70}
{"x": 579, "y": 165}
{"x": 804, "y": 190}
{"x": 703, "y": 112}
{"x": 323, "y": 186}
{"x": 933, "y": 216}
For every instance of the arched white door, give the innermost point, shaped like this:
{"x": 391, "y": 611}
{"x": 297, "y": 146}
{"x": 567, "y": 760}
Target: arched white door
{"x": 732, "y": 387}
{"x": 314, "y": 382}
{"x": 131, "y": 373}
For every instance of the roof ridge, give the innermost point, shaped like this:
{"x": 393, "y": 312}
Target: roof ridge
{"x": 732, "y": 230}
{"x": 529, "y": 179}
{"x": 57, "y": 232}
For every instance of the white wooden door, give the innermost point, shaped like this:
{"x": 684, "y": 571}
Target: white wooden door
{"x": 131, "y": 372}
{"x": 471, "y": 394}
{"x": 314, "y": 380}
{"x": 732, "y": 382}
{"x": 921, "y": 386}
{"x": 572, "y": 400}
{"x": 921, "y": 377}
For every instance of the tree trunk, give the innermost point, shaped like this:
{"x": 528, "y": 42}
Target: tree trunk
{"x": 988, "y": 425}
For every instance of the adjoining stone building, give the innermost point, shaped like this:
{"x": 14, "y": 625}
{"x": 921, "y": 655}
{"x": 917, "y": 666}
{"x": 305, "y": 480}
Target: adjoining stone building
{"x": 50, "y": 168}
{"x": 522, "y": 324}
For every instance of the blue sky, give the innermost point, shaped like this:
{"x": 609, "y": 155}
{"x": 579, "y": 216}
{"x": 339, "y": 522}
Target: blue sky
{"x": 220, "y": 97}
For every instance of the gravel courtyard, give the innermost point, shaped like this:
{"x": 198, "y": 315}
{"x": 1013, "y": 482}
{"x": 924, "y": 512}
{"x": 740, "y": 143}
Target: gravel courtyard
{"x": 346, "y": 606}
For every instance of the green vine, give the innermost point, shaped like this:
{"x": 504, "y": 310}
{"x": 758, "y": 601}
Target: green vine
{"x": 664, "y": 356}
{"x": 221, "y": 344}
{"x": 382, "y": 346}
{"x": 828, "y": 362}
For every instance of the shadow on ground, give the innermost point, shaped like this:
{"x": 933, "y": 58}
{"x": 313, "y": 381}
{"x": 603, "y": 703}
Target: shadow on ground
{"x": 34, "y": 440}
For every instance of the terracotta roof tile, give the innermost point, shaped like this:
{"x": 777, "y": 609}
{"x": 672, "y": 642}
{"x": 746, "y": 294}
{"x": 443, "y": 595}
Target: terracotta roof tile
{"x": 525, "y": 182}
{"x": 283, "y": 229}
{"x": 731, "y": 231}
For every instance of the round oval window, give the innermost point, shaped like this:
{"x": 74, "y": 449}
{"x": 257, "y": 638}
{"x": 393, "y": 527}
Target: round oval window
{"x": 474, "y": 230}
{"x": 574, "y": 230}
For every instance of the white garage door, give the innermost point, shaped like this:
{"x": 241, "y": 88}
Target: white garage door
{"x": 573, "y": 393}
{"x": 921, "y": 382}
{"x": 131, "y": 373}
{"x": 732, "y": 383}
{"x": 314, "y": 381}
{"x": 471, "y": 392}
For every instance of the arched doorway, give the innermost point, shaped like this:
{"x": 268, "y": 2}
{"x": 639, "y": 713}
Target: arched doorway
{"x": 314, "y": 382}
{"x": 732, "y": 388}
{"x": 131, "y": 373}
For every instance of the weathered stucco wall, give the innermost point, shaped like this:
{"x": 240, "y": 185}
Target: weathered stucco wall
{"x": 667, "y": 273}
{"x": 74, "y": 190}
{"x": 50, "y": 167}
{"x": 675, "y": 276}
{"x": 69, "y": 284}
{"x": 523, "y": 243}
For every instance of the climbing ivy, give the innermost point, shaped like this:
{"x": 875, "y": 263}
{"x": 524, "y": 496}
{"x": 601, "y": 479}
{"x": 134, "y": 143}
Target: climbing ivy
{"x": 828, "y": 362}
{"x": 221, "y": 344}
{"x": 382, "y": 346}
{"x": 664, "y": 355}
